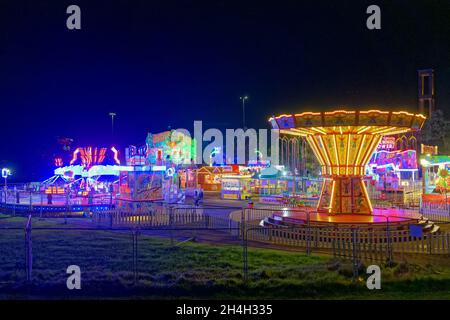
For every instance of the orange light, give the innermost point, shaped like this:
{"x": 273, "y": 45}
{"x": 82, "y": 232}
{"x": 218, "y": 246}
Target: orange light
{"x": 74, "y": 156}
{"x": 332, "y": 196}
{"x": 315, "y": 150}
{"x": 283, "y": 116}
{"x": 336, "y": 150}
{"x": 116, "y": 155}
{"x": 366, "y": 194}
{"x": 363, "y": 129}
{"x": 374, "y": 111}
{"x": 307, "y": 114}
{"x": 340, "y": 111}
{"x": 360, "y": 149}
{"x": 348, "y": 154}
{"x": 325, "y": 151}
{"x": 318, "y": 130}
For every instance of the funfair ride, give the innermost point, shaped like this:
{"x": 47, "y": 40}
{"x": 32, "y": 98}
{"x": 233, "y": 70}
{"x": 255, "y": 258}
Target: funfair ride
{"x": 343, "y": 142}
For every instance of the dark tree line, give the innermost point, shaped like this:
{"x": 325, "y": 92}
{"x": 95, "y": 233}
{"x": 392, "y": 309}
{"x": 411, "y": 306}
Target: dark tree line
{"x": 436, "y": 131}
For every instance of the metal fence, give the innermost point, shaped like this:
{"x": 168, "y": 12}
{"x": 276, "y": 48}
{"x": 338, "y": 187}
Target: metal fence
{"x": 439, "y": 212}
{"x": 241, "y": 227}
{"x": 24, "y": 202}
{"x": 107, "y": 253}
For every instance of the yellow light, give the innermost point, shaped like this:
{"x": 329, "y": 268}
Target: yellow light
{"x": 307, "y": 113}
{"x": 363, "y": 129}
{"x": 315, "y": 150}
{"x": 325, "y": 151}
{"x": 283, "y": 116}
{"x": 403, "y": 112}
{"x": 384, "y": 129}
{"x": 321, "y": 194}
{"x": 332, "y": 196}
{"x": 360, "y": 149}
{"x": 367, "y": 152}
{"x": 300, "y": 130}
{"x": 366, "y": 194}
{"x": 375, "y": 141}
{"x": 340, "y": 111}
{"x": 336, "y": 150}
{"x": 348, "y": 153}
{"x": 374, "y": 111}
{"x": 293, "y": 133}
{"x": 318, "y": 130}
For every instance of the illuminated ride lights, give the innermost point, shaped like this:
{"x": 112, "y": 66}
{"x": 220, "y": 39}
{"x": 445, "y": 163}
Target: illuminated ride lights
{"x": 93, "y": 156}
{"x": 86, "y": 167}
{"x": 343, "y": 142}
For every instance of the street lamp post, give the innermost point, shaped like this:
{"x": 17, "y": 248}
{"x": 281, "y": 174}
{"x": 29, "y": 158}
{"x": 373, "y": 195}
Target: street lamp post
{"x": 112, "y": 115}
{"x": 5, "y": 173}
{"x": 244, "y": 98}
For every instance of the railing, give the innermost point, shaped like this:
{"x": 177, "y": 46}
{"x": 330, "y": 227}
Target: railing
{"x": 438, "y": 212}
{"x": 366, "y": 241}
{"x": 369, "y": 244}
{"x": 153, "y": 216}
{"x": 359, "y": 243}
{"x": 22, "y": 202}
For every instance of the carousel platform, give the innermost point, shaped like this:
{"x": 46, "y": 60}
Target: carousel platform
{"x": 396, "y": 218}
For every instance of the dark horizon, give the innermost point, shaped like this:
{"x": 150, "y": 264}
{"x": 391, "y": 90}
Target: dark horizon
{"x": 160, "y": 64}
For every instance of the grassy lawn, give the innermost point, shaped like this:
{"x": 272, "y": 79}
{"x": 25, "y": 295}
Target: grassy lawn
{"x": 193, "y": 270}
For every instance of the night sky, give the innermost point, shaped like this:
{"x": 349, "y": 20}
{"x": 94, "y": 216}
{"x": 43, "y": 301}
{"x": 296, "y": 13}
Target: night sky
{"x": 168, "y": 63}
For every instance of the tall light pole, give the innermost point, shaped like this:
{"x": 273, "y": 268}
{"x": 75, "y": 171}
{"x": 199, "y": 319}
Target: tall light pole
{"x": 112, "y": 115}
{"x": 5, "y": 173}
{"x": 244, "y": 98}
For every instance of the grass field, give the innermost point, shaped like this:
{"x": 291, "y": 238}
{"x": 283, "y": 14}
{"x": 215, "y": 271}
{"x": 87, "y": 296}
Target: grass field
{"x": 193, "y": 270}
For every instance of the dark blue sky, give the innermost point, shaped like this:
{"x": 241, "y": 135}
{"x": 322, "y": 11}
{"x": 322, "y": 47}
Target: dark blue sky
{"x": 160, "y": 63}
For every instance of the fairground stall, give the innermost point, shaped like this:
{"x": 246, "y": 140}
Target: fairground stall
{"x": 288, "y": 189}
{"x": 436, "y": 180}
{"x": 392, "y": 169}
{"x": 156, "y": 167}
{"x": 236, "y": 183}
{"x": 395, "y": 177}
{"x": 209, "y": 178}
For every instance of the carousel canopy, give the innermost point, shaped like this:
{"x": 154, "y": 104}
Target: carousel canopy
{"x": 270, "y": 173}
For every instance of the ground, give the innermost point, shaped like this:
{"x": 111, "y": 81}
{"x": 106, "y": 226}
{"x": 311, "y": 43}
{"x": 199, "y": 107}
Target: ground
{"x": 193, "y": 270}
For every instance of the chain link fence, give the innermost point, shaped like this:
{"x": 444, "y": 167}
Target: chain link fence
{"x": 146, "y": 245}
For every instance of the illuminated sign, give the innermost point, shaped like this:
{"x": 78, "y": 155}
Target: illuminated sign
{"x": 387, "y": 143}
{"x": 427, "y": 149}
{"x": 399, "y": 160}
